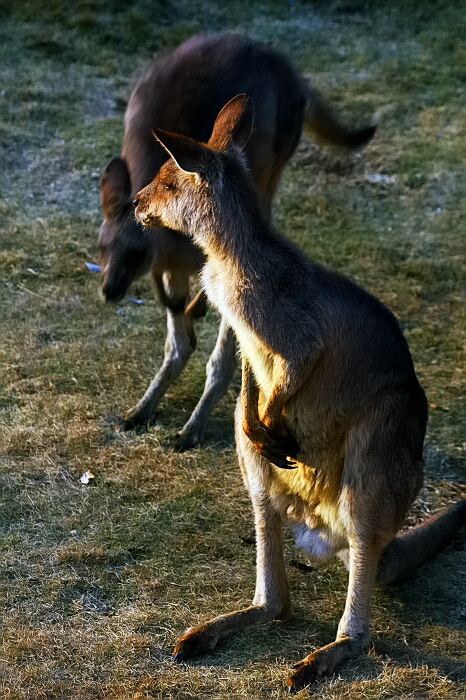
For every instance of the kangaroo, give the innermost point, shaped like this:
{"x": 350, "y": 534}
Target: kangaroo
{"x": 331, "y": 418}
{"x": 183, "y": 92}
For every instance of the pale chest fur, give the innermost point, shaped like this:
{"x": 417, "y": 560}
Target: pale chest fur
{"x": 310, "y": 493}
{"x": 224, "y": 292}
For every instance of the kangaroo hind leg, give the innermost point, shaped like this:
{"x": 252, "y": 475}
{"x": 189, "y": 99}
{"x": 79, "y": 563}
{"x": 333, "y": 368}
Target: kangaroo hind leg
{"x": 272, "y": 596}
{"x": 380, "y": 480}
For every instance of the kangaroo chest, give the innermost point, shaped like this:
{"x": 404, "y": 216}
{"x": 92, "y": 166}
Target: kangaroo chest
{"x": 224, "y": 290}
{"x": 308, "y": 494}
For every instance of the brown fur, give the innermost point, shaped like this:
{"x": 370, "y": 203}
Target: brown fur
{"x": 325, "y": 366}
{"x": 183, "y": 92}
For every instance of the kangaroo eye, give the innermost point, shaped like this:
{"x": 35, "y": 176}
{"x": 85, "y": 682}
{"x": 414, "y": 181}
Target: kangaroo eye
{"x": 169, "y": 186}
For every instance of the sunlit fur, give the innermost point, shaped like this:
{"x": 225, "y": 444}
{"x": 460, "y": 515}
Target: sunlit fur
{"x": 183, "y": 90}
{"x": 335, "y": 383}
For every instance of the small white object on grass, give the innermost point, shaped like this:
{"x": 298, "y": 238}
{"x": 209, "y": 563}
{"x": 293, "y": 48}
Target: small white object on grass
{"x": 87, "y": 477}
{"x": 381, "y": 178}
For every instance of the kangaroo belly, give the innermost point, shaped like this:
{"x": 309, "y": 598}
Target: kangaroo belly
{"x": 318, "y": 542}
{"x": 309, "y": 496}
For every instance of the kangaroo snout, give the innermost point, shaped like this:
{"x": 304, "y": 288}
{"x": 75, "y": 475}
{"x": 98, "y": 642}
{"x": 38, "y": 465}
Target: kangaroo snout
{"x": 142, "y": 211}
{"x": 111, "y": 294}
{"x": 113, "y": 285}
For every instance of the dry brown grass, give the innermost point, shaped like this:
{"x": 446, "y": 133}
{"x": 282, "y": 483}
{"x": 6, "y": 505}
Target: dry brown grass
{"x": 97, "y": 581}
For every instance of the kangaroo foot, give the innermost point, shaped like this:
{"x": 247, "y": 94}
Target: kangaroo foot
{"x": 188, "y": 439}
{"x": 137, "y": 418}
{"x": 195, "y": 641}
{"x": 202, "y": 639}
{"x": 322, "y": 662}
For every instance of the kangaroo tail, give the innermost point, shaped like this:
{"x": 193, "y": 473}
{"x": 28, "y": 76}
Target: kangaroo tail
{"x": 409, "y": 550}
{"x": 320, "y": 119}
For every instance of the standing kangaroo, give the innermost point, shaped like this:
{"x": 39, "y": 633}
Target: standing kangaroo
{"x": 183, "y": 92}
{"x": 331, "y": 419}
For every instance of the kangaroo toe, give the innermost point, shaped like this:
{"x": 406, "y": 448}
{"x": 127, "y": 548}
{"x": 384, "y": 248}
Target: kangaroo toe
{"x": 322, "y": 662}
{"x": 195, "y": 641}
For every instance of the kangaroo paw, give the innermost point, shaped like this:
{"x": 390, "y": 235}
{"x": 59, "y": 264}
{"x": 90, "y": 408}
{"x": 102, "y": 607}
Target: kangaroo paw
{"x": 281, "y": 450}
{"x": 322, "y": 663}
{"x": 287, "y": 443}
{"x": 276, "y": 456}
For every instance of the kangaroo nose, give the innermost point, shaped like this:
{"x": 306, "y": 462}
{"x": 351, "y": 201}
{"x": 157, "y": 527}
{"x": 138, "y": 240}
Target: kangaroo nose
{"x": 135, "y": 203}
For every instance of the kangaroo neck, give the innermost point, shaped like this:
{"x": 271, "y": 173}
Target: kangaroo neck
{"x": 237, "y": 234}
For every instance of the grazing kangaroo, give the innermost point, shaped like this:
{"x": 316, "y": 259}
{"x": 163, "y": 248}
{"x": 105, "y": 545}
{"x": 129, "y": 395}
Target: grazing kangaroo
{"x": 329, "y": 392}
{"x": 183, "y": 92}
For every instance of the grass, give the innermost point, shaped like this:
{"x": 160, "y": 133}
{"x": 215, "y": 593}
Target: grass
{"x": 96, "y": 581}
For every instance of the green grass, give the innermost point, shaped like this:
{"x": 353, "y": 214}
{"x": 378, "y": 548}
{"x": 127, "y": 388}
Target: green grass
{"x": 96, "y": 581}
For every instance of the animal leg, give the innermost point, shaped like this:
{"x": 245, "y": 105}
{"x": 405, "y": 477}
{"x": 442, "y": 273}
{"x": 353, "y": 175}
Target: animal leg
{"x": 353, "y": 631}
{"x": 272, "y": 597}
{"x": 278, "y": 449}
{"x": 179, "y": 345}
{"x": 220, "y": 369}
{"x": 381, "y": 478}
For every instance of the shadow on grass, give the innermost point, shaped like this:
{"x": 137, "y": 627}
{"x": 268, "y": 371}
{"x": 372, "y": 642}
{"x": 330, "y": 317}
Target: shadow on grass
{"x": 219, "y": 434}
{"x": 266, "y": 644}
{"x": 402, "y": 655}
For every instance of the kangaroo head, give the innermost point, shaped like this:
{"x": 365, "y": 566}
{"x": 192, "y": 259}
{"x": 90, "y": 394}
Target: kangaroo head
{"x": 123, "y": 243}
{"x": 187, "y": 189}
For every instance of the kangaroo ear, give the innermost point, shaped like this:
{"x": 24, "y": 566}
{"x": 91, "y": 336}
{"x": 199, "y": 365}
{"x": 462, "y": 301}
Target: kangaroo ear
{"x": 189, "y": 155}
{"x": 234, "y": 124}
{"x": 115, "y": 188}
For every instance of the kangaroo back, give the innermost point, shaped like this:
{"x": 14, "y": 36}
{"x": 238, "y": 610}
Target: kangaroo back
{"x": 184, "y": 91}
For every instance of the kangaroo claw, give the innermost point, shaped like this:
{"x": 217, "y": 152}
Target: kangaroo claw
{"x": 322, "y": 662}
{"x": 195, "y": 641}
{"x": 277, "y": 457}
{"x": 136, "y": 419}
{"x": 182, "y": 443}
{"x": 187, "y": 440}
{"x": 279, "y": 450}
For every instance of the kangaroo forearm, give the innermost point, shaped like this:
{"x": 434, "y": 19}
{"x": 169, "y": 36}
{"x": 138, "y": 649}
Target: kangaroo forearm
{"x": 277, "y": 446}
{"x": 250, "y": 401}
{"x": 272, "y": 415}
{"x": 288, "y": 379}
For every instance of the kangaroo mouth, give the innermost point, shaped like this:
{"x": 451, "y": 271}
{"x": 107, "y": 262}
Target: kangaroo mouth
{"x": 148, "y": 220}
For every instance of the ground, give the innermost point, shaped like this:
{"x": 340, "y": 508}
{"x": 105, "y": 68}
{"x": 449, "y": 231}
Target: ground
{"x": 97, "y": 580}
